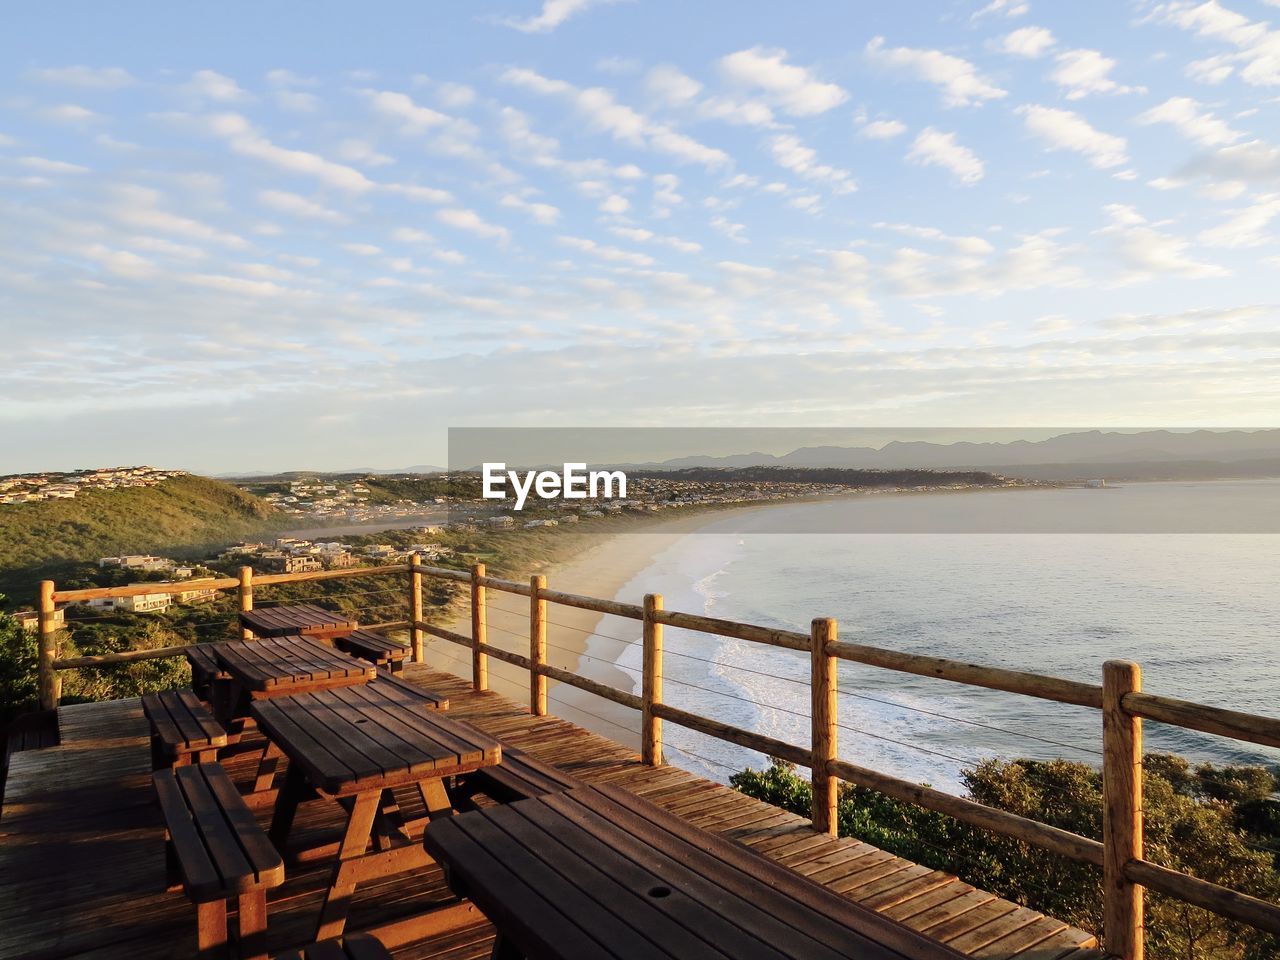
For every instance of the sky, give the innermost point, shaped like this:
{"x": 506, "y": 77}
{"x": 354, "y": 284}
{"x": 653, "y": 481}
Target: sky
{"x": 249, "y": 236}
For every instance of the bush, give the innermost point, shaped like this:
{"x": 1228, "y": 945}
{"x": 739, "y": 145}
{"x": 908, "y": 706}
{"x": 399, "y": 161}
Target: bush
{"x": 1215, "y": 823}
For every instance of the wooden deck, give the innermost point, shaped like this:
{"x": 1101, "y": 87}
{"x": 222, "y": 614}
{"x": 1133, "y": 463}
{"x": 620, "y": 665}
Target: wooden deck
{"x": 82, "y": 863}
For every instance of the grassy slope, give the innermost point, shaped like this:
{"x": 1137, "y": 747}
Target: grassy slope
{"x": 178, "y": 516}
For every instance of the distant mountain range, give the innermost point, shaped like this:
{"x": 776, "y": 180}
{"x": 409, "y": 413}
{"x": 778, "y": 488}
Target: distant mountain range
{"x": 1077, "y": 455}
{"x": 1147, "y": 449}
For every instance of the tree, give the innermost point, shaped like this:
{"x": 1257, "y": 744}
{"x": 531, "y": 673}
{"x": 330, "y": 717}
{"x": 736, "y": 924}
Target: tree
{"x": 19, "y": 656}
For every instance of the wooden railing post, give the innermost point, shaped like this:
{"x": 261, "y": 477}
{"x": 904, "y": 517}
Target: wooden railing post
{"x": 415, "y": 609}
{"x": 651, "y": 683}
{"x": 246, "y": 598}
{"x": 1122, "y": 900}
{"x": 824, "y": 742}
{"x": 47, "y": 677}
{"x": 537, "y": 645}
{"x": 479, "y": 630}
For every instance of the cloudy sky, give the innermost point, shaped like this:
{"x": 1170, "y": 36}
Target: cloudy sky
{"x": 287, "y": 235}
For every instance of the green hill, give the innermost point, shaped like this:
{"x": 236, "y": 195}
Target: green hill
{"x": 184, "y": 515}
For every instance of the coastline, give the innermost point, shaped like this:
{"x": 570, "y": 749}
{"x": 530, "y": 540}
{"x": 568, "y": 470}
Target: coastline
{"x": 602, "y": 570}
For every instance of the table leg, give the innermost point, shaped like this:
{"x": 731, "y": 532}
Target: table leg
{"x": 268, "y": 764}
{"x": 436, "y": 798}
{"x": 252, "y": 922}
{"x": 291, "y": 794}
{"x": 337, "y": 901}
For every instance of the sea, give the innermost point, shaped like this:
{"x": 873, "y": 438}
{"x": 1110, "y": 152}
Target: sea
{"x": 1199, "y": 611}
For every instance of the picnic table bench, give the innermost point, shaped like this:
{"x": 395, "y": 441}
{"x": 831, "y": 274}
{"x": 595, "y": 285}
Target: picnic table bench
{"x": 216, "y": 850}
{"x": 353, "y": 746}
{"x": 375, "y": 648}
{"x": 182, "y": 729}
{"x": 307, "y": 619}
{"x": 600, "y": 872}
{"x": 518, "y": 777}
{"x": 394, "y": 685}
{"x": 206, "y": 672}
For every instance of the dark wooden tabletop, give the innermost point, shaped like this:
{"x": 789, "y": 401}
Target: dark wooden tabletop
{"x": 361, "y": 738}
{"x": 297, "y": 618}
{"x": 283, "y": 665}
{"x": 600, "y": 872}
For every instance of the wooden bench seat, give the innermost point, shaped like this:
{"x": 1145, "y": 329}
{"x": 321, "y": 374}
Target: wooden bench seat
{"x": 183, "y": 730}
{"x": 358, "y": 946}
{"x": 216, "y": 850}
{"x": 205, "y": 669}
{"x": 407, "y": 689}
{"x": 518, "y": 777}
{"x": 375, "y": 648}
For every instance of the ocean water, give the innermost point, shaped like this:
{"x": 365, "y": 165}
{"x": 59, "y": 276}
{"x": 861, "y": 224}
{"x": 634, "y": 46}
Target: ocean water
{"x": 1199, "y": 611}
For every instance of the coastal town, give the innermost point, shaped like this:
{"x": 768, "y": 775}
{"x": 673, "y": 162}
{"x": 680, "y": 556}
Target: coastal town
{"x": 33, "y": 487}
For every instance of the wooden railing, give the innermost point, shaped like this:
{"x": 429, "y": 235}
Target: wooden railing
{"x": 1119, "y": 698}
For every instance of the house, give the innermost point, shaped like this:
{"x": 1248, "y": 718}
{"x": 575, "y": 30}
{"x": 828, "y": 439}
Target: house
{"x": 196, "y": 593}
{"x": 141, "y": 603}
{"x": 29, "y": 620}
{"x": 287, "y": 564}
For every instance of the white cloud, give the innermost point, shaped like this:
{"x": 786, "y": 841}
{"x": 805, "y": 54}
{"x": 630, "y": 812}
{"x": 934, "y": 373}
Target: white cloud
{"x": 1029, "y": 42}
{"x": 470, "y": 221}
{"x": 298, "y": 206}
{"x": 1083, "y": 72}
{"x": 287, "y": 78}
{"x": 1187, "y": 117}
{"x": 362, "y": 249}
{"x": 140, "y": 207}
{"x": 1252, "y": 162}
{"x": 883, "y": 129}
{"x": 1246, "y": 227}
{"x": 411, "y": 235}
{"x": 959, "y": 80}
{"x": 615, "y": 204}
{"x": 455, "y": 96}
{"x": 45, "y": 165}
{"x": 967, "y": 245}
{"x": 640, "y": 235}
{"x": 1210, "y": 70}
{"x": 1257, "y": 46}
{"x": 97, "y": 78}
{"x": 611, "y": 254}
{"x": 793, "y": 90}
{"x": 789, "y": 152}
{"x": 413, "y": 118}
{"x": 552, "y": 14}
{"x": 1144, "y": 252}
{"x": 543, "y": 213}
{"x": 121, "y": 263}
{"x": 296, "y": 101}
{"x": 70, "y": 113}
{"x": 361, "y": 151}
{"x": 422, "y": 194}
{"x": 243, "y": 139}
{"x": 933, "y": 148}
{"x": 212, "y": 85}
{"x": 605, "y": 114}
{"x": 1064, "y": 130}
{"x": 1002, "y": 8}
{"x": 671, "y": 86}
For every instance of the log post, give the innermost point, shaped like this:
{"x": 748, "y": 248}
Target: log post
{"x": 246, "y": 599}
{"x": 1122, "y": 900}
{"x": 415, "y": 609}
{"x": 824, "y": 714}
{"x": 47, "y": 677}
{"x": 479, "y": 630}
{"x": 537, "y": 646}
{"x": 651, "y": 683}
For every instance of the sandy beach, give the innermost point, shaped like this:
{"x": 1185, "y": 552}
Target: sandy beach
{"x": 602, "y": 570}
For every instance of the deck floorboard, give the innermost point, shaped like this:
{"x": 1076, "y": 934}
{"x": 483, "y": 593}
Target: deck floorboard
{"x": 82, "y": 865}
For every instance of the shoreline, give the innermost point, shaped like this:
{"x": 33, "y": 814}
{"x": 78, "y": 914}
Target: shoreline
{"x": 602, "y": 570}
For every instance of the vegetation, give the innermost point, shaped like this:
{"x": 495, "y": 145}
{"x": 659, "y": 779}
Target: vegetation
{"x": 181, "y": 516}
{"x": 1218, "y": 823}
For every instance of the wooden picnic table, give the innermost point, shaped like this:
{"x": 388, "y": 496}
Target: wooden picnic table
{"x": 600, "y": 872}
{"x": 283, "y": 666}
{"x": 354, "y": 745}
{"x": 307, "y": 619}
